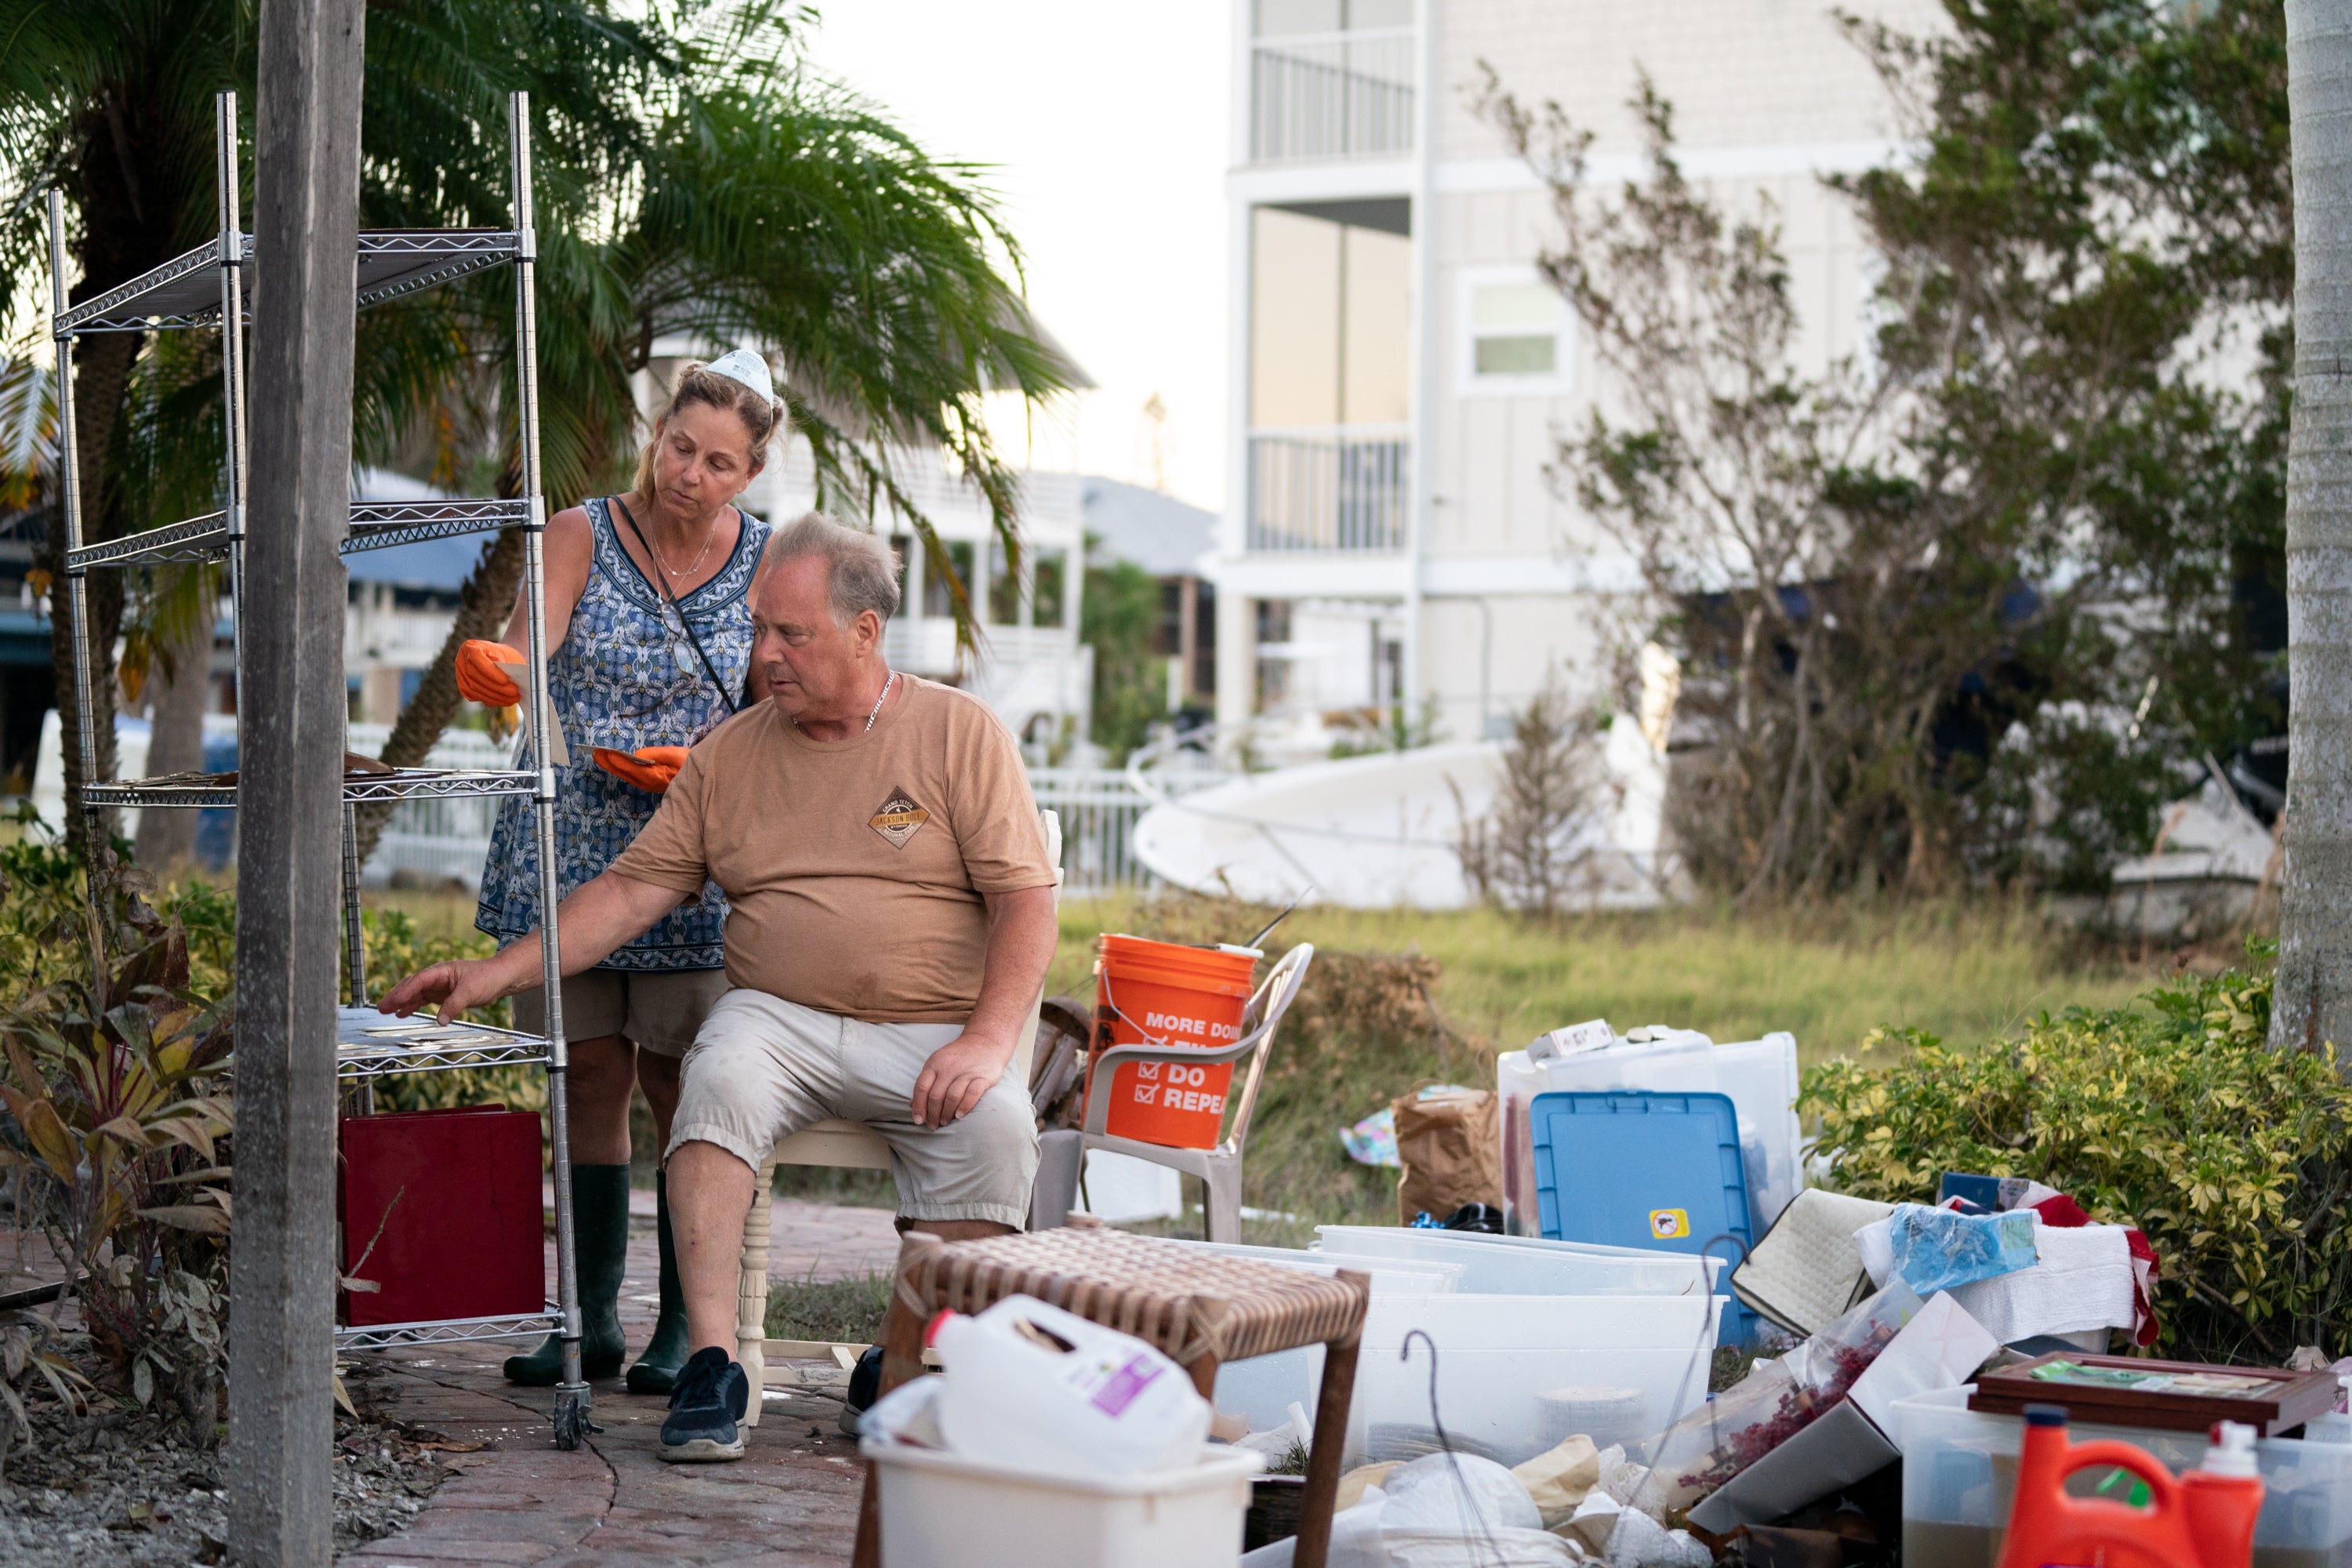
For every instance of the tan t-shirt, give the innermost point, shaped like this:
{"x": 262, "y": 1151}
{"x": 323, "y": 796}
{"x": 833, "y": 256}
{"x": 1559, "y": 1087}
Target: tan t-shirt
{"x": 854, "y": 868}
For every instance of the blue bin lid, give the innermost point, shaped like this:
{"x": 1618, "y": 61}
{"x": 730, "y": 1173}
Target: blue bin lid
{"x": 1626, "y": 1169}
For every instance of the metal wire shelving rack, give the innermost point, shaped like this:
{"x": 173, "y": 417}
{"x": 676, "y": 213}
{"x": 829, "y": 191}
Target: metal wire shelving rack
{"x": 210, "y": 286}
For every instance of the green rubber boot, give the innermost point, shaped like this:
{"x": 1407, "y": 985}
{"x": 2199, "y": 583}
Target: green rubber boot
{"x": 600, "y": 1248}
{"x": 656, "y": 1370}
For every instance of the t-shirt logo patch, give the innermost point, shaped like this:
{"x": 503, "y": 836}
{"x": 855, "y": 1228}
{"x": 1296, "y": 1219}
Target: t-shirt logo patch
{"x": 900, "y": 819}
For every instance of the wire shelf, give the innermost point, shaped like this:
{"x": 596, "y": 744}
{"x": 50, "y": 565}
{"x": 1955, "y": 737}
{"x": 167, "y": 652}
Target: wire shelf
{"x": 380, "y": 525}
{"x": 202, "y": 538}
{"x": 396, "y": 261}
{"x": 374, "y": 525}
{"x": 449, "y": 1330}
{"x": 185, "y": 292}
{"x": 193, "y": 791}
{"x": 369, "y": 1044}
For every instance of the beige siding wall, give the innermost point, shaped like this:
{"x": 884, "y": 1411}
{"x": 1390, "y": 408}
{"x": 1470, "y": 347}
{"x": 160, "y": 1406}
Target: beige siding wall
{"x": 1739, "y": 72}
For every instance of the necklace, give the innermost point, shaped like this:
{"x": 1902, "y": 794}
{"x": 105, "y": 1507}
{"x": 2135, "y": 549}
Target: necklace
{"x": 874, "y": 712}
{"x": 709, "y": 538}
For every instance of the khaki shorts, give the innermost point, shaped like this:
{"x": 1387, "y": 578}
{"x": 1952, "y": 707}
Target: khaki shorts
{"x": 764, "y": 1068}
{"x": 659, "y": 1009}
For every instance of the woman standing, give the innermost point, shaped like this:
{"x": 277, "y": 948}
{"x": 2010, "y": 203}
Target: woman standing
{"x": 649, "y": 638}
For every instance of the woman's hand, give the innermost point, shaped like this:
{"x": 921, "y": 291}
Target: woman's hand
{"x": 481, "y": 678}
{"x": 650, "y": 768}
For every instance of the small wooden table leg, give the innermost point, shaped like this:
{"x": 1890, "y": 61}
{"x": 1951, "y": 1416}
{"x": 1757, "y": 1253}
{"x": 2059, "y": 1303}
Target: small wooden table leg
{"x": 1322, "y": 1491}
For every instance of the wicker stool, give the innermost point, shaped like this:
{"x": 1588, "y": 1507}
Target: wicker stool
{"x": 1200, "y": 1310}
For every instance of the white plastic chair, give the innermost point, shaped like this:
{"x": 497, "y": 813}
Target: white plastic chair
{"x": 846, "y": 1146}
{"x": 1220, "y": 1168}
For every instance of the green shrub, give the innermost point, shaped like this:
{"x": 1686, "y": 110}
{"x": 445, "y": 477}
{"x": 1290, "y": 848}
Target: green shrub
{"x": 2172, "y": 1116}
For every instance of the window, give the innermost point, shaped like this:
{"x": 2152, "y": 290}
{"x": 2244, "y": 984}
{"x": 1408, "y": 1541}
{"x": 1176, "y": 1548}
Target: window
{"x": 957, "y": 559}
{"x": 1048, "y": 601}
{"x": 1003, "y": 587}
{"x": 1517, "y": 339}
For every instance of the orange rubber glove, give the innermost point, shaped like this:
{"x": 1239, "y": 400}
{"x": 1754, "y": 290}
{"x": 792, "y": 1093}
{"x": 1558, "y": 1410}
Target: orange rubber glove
{"x": 480, "y": 679}
{"x": 650, "y": 768}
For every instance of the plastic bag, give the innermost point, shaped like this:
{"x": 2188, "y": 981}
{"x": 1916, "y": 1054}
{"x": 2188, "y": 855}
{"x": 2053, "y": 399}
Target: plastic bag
{"x": 1933, "y": 1249}
{"x": 1457, "y": 1492}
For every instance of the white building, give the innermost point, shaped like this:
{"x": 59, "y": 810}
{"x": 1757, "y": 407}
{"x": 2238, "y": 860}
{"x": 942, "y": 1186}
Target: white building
{"x": 1401, "y": 375}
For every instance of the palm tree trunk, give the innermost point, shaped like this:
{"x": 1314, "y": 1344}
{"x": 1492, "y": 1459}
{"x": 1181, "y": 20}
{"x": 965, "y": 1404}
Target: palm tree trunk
{"x": 484, "y": 605}
{"x": 124, "y": 173}
{"x": 2312, "y": 1002}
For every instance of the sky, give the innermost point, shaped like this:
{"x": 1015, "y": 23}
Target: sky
{"x": 1106, "y": 122}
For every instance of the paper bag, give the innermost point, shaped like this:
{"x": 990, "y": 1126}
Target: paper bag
{"x": 1452, "y": 1148}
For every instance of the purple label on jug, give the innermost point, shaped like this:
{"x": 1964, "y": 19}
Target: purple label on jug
{"x": 1118, "y": 1391}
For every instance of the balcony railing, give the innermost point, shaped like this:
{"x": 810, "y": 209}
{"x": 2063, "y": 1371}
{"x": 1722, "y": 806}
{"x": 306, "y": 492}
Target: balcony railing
{"x": 1338, "y": 487}
{"x": 1334, "y": 95}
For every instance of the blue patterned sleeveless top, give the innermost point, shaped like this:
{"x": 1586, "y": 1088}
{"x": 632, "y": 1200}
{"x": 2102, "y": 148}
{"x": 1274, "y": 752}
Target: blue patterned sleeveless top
{"x": 626, "y": 677}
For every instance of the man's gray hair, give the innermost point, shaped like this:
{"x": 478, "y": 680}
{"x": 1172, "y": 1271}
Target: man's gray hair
{"x": 861, "y": 572}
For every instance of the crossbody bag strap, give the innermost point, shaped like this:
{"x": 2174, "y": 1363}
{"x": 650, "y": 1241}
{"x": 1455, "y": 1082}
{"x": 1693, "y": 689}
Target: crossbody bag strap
{"x": 663, "y": 589}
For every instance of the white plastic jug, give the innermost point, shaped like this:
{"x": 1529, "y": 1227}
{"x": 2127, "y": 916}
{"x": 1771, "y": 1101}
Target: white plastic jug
{"x": 1108, "y": 1405}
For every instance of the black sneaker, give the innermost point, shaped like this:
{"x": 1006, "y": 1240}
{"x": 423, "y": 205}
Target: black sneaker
{"x": 865, "y": 1382}
{"x": 706, "y": 1410}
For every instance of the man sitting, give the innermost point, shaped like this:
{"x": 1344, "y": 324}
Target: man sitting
{"x": 890, "y": 920}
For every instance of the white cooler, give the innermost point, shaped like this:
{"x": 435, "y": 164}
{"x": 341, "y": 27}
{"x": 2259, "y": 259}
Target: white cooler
{"x": 941, "y": 1508}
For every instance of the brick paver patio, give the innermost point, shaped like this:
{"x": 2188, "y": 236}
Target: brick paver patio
{"x": 792, "y": 1502}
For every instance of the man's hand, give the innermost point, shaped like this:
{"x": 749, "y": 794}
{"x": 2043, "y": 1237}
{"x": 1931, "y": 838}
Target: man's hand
{"x": 955, "y": 1078}
{"x": 456, "y": 985}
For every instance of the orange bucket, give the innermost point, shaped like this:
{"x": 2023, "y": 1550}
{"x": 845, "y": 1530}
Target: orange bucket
{"x": 1161, "y": 994}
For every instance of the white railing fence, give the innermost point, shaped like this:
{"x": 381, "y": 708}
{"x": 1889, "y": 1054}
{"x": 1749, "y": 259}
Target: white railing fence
{"x": 1343, "y": 488}
{"x": 1339, "y": 95}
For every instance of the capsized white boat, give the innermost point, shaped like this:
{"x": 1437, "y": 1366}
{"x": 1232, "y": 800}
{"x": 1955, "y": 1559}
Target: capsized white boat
{"x": 1383, "y": 831}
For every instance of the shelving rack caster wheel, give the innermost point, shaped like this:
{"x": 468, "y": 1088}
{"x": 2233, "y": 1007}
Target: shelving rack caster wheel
{"x": 571, "y": 1423}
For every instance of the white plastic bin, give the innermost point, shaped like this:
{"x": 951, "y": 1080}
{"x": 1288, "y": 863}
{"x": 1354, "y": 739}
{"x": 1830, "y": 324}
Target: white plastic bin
{"x": 940, "y": 1507}
{"x": 1528, "y": 1265}
{"x": 1959, "y": 1478}
{"x": 1498, "y": 1357}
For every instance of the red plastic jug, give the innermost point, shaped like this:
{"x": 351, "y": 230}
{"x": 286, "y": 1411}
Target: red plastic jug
{"x": 2204, "y": 1519}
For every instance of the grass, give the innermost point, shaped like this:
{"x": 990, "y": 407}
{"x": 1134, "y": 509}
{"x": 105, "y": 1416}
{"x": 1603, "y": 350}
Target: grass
{"x": 1362, "y": 1035}
{"x": 846, "y": 1310}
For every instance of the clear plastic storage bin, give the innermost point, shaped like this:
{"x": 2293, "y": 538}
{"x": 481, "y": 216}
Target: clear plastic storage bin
{"x": 1760, "y": 1077}
{"x": 1960, "y": 1475}
{"x": 1528, "y": 1265}
{"x": 1511, "y": 1369}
